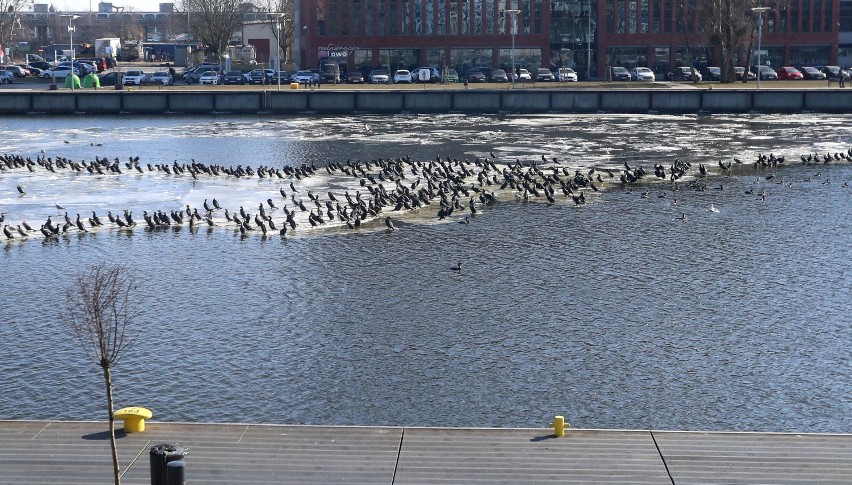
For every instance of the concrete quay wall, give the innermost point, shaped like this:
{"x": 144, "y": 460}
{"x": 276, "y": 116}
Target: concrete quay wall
{"x": 474, "y": 101}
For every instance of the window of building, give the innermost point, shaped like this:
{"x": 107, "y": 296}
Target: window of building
{"x": 464, "y": 60}
{"x": 662, "y": 63}
{"x": 846, "y": 16}
{"x": 810, "y": 55}
{"x": 394, "y": 59}
{"x": 368, "y": 18}
{"x": 362, "y": 59}
{"x": 610, "y": 17}
{"x": 827, "y": 16}
{"x": 806, "y": 16}
{"x": 489, "y": 17}
{"x": 667, "y": 19}
{"x": 817, "y": 15}
{"x": 435, "y": 57}
{"x": 628, "y": 57}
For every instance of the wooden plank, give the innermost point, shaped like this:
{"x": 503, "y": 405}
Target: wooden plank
{"x": 695, "y": 457}
{"x": 433, "y": 455}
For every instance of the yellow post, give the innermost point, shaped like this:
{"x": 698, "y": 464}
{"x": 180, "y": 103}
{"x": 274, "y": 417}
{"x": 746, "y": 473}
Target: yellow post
{"x": 559, "y": 426}
{"x": 134, "y": 418}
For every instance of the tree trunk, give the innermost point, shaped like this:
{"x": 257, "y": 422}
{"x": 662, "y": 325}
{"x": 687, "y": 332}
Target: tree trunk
{"x": 115, "y": 466}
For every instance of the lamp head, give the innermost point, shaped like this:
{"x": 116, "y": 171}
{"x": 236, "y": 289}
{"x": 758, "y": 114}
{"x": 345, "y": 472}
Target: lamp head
{"x": 760, "y": 10}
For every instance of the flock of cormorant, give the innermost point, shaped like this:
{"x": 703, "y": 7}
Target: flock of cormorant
{"x": 444, "y": 185}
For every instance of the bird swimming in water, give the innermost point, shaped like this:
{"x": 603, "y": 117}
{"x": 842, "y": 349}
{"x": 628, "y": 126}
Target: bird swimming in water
{"x": 389, "y": 223}
{"x": 713, "y": 208}
{"x": 457, "y": 267}
{"x": 21, "y": 190}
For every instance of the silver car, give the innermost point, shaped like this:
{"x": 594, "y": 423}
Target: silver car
{"x": 162, "y": 77}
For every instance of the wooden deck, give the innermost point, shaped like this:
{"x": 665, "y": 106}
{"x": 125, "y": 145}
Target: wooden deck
{"x": 78, "y": 452}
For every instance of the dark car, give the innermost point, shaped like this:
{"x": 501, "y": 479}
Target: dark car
{"x": 108, "y": 78}
{"x": 497, "y": 76}
{"x": 262, "y": 76}
{"x": 741, "y": 71}
{"x": 711, "y": 73}
{"x": 766, "y": 73}
{"x": 685, "y": 73}
{"x": 234, "y": 77}
{"x": 475, "y": 77}
{"x": 354, "y": 77}
{"x": 812, "y": 73}
{"x": 834, "y": 72}
{"x": 620, "y": 74}
{"x": 544, "y": 74}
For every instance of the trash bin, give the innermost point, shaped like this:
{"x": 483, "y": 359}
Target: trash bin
{"x": 119, "y": 81}
{"x": 161, "y": 456}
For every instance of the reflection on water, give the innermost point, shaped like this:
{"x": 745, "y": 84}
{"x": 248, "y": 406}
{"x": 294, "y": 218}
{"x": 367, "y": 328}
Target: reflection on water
{"x": 618, "y": 314}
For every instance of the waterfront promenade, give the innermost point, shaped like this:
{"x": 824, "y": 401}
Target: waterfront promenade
{"x": 78, "y": 452}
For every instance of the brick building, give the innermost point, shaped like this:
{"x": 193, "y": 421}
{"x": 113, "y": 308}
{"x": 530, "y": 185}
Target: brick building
{"x": 464, "y": 34}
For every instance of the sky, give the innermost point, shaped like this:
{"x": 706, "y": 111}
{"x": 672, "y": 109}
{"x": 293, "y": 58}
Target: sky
{"x": 83, "y": 5}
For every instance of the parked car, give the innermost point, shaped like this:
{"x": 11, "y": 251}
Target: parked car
{"x": 741, "y": 71}
{"x": 303, "y": 77}
{"x": 766, "y": 73}
{"x": 642, "y": 74}
{"x": 451, "y": 76}
{"x": 17, "y": 71}
{"x": 379, "y": 76}
{"x": 685, "y": 73}
{"x": 134, "y": 78}
{"x": 162, "y": 77}
{"x": 194, "y": 76}
{"x": 475, "y": 76}
{"x": 521, "y": 75}
{"x": 789, "y": 73}
{"x": 544, "y": 74}
{"x": 566, "y": 74}
{"x": 234, "y": 77}
{"x": 6, "y": 76}
{"x": 59, "y": 72}
{"x": 354, "y": 77}
{"x": 108, "y": 78}
{"x": 620, "y": 74}
{"x": 812, "y": 73}
{"x": 497, "y": 76}
{"x": 402, "y": 76}
{"x": 262, "y": 76}
{"x": 40, "y": 65}
{"x": 99, "y": 62}
{"x": 711, "y": 73}
{"x": 209, "y": 77}
{"x": 83, "y": 67}
{"x": 834, "y": 72}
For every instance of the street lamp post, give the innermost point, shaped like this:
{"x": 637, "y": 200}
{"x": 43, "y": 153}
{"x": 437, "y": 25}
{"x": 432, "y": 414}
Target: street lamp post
{"x": 277, "y": 17}
{"x": 71, "y": 18}
{"x": 514, "y": 14}
{"x": 759, "y": 11}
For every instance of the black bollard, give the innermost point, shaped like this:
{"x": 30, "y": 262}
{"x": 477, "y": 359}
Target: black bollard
{"x": 175, "y": 473}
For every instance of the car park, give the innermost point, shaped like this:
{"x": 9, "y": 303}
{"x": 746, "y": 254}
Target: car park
{"x": 685, "y": 73}
{"x": 161, "y": 77}
{"x": 475, "y": 76}
{"x": 379, "y": 76}
{"x": 566, "y": 74}
{"x": 642, "y": 74}
{"x": 402, "y": 76}
{"x": 711, "y": 73}
{"x": 354, "y": 77}
{"x": 788, "y": 73}
{"x": 812, "y": 73}
{"x": 234, "y": 77}
{"x": 134, "y": 77}
{"x": 620, "y": 74}
{"x": 497, "y": 76}
{"x": 209, "y": 77}
{"x": 766, "y": 73}
{"x": 544, "y": 74}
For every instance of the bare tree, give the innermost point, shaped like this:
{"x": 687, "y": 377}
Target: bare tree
{"x": 10, "y": 19}
{"x": 213, "y": 22}
{"x": 99, "y": 310}
{"x": 287, "y": 22}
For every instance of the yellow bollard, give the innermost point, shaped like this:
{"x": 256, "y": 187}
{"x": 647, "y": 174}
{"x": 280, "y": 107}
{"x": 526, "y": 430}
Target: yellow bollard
{"x": 294, "y": 85}
{"x": 559, "y": 426}
{"x": 134, "y": 418}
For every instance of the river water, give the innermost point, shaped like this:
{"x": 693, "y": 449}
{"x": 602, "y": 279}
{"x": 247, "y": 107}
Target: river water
{"x": 651, "y": 306}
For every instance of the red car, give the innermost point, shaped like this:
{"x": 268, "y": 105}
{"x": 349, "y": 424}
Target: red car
{"x": 789, "y": 74}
